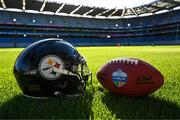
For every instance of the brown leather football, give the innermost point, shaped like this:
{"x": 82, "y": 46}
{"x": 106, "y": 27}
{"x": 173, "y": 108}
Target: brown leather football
{"x": 130, "y": 77}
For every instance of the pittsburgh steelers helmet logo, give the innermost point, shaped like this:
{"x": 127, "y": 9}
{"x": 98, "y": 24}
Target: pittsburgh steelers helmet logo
{"x": 50, "y": 67}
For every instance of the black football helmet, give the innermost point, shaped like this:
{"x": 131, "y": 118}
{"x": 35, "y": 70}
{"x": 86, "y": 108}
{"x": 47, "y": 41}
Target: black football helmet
{"x": 51, "y": 67}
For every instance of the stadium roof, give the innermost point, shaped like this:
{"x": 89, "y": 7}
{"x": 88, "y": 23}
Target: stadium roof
{"x": 108, "y": 4}
{"x": 82, "y": 10}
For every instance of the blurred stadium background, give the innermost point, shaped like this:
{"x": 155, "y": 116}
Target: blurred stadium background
{"x": 23, "y": 22}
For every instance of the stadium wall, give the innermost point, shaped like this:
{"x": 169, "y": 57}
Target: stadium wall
{"x": 19, "y": 29}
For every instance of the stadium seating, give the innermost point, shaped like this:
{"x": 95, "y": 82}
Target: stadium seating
{"x": 19, "y": 29}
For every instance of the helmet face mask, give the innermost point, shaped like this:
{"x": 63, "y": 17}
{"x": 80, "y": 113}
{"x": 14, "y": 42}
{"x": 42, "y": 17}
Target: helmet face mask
{"x": 82, "y": 69}
{"x": 60, "y": 70}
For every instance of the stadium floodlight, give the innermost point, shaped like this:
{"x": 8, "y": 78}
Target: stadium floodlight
{"x": 116, "y": 25}
{"x": 108, "y": 36}
{"x": 34, "y": 21}
{"x": 14, "y": 19}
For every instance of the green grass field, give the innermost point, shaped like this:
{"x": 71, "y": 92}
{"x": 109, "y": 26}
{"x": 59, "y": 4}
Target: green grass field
{"x": 99, "y": 103}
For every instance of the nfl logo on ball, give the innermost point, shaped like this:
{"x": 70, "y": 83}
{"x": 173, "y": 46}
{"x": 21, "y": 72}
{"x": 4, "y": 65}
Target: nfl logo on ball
{"x": 119, "y": 78}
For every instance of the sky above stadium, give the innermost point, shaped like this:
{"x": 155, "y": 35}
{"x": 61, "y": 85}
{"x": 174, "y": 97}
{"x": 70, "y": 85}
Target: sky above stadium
{"x": 107, "y": 3}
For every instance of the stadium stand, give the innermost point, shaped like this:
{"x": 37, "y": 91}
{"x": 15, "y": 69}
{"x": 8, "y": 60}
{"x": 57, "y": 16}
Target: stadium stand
{"x": 19, "y": 29}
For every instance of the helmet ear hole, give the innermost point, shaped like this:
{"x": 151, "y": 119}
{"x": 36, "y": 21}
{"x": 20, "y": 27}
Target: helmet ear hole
{"x": 62, "y": 84}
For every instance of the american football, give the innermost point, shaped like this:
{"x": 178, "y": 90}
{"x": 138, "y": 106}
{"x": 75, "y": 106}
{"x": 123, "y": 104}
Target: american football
{"x": 130, "y": 77}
